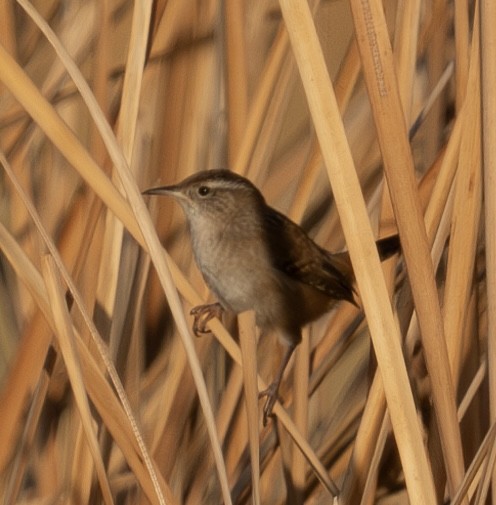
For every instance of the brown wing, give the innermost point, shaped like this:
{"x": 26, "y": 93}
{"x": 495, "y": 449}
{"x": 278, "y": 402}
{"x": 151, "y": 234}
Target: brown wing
{"x": 299, "y": 257}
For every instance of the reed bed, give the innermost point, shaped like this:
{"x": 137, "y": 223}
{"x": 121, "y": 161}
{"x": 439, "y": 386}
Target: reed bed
{"x": 358, "y": 119}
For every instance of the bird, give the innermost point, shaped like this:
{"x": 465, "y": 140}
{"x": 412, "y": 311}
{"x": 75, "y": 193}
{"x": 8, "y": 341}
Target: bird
{"x": 253, "y": 257}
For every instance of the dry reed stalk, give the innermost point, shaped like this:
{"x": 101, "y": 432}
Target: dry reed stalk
{"x": 260, "y": 102}
{"x": 465, "y": 219}
{"x": 86, "y": 163}
{"x": 300, "y": 403}
{"x": 488, "y": 74}
{"x": 462, "y": 37}
{"x": 129, "y": 185}
{"x": 100, "y": 392}
{"x": 379, "y": 75}
{"x": 236, "y": 75}
{"x": 248, "y": 344}
{"x": 405, "y": 52}
{"x": 97, "y": 339}
{"x": 66, "y": 339}
{"x": 353, "y": 216}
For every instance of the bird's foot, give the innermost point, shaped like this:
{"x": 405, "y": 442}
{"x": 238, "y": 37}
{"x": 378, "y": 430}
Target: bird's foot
{"x": 271, "y": 394}
{"x": 203, "y": 314}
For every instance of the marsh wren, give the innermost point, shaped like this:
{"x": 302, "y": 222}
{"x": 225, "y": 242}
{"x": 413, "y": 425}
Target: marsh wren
{"x": 254, "y": 258}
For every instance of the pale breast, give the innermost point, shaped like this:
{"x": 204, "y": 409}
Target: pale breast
{"x": 237, "y": 268}
{"x": 234, "y": 267}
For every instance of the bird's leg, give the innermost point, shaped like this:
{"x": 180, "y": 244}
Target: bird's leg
{"x": 271, "y": 391}
{"x": 203, "y": 314}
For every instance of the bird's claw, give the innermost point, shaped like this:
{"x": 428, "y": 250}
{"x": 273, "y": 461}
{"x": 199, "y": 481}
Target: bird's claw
{"x": 271, "y": 394}
{"x": 203, "y": 314}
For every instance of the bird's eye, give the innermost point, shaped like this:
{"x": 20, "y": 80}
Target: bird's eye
{"x": 203, "y": 190}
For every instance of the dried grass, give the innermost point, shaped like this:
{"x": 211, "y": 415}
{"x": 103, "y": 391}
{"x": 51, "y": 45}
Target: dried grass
{"x": 105, "y": 396}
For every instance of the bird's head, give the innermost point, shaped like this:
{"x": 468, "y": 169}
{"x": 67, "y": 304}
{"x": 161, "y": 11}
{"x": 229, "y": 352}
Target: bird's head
{"x": 213, "y": 194}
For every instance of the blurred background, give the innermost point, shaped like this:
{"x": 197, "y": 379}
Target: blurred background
{"x": 187, "y": 85}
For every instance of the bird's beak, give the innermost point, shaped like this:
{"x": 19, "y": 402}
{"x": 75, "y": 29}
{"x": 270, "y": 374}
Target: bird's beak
{"x": 162, "y": 190}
